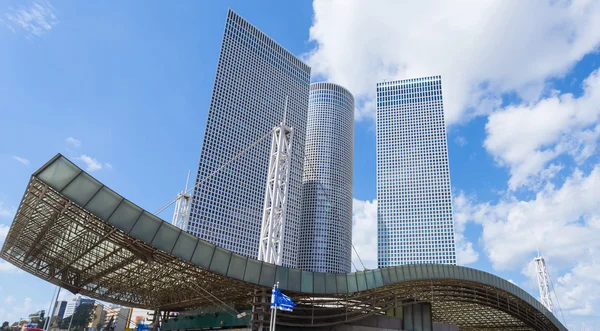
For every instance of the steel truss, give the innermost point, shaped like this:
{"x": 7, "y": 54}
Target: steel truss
{"x": 272, "y": 231}
{"x": 183, "y": 203}
{"x": 61, "y": 242}
{"x": 543, "y": 281}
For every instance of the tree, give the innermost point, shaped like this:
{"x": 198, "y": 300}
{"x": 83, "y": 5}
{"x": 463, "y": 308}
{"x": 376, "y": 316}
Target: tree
{"x": 5, "y": 325}
{"x": 82, "y": 317}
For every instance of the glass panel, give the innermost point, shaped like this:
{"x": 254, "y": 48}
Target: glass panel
{"x": 419, "y": 270}
{"x": 237, "y": 267}
{"x": 385, "y": 272}
{"x": 295, "y": 280}
{"x": 393, "y": 275}
{"x": 444, "y": 271}
{"x": 319, "y": 282}
{"x": 453, "y": 272}
{"x": 267, "y": 275}
{"x": 361, "y": 280}
{"x": 166, "y": 237}
{"x": 145, "y": 228}
{"x": 409, "y": 272}
{"x": 378, "y": 277}
{"x": 307, "y": 282}
{"x": 203, "y": 254}
{"x": 125, "y": 216}
{"x": 370, "y": 279}
{"x": 430, "y": 271}
{"x": 220, "y": 261}
{"x": 252, "y": 274}
{"x": 59, "y": 173}
{"x": 184, "y": 248}
{"x": 400, "y": 273}
{"x": 330, "y": 286}
{"x": 82, "y": 189}
{"x": 342, "y": 283}
{"x": 104, "y": 203}
{"x": 352, "y": 285}
{"x": 281, "y": 276}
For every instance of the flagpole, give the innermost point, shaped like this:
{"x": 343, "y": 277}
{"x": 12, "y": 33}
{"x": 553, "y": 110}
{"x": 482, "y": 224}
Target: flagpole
{"x": 273, "y": 308}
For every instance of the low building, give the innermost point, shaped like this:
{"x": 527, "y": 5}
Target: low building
{"x": 98, "y": 318}
{"x": 115, "y": 319}
{"x": 59, "y": 309}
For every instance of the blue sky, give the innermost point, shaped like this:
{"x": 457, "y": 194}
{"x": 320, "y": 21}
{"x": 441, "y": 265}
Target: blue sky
{"x": 123, "y": 88}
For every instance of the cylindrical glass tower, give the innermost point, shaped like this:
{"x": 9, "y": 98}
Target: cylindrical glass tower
{"x": 326, "y": 218}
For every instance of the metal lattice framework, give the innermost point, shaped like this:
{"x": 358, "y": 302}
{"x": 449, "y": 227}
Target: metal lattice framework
{"x": 272, "y": 231}
{"x": 74, "y": 232}
{"x": 181, "y": 212}
{"x": 543, "y": 282}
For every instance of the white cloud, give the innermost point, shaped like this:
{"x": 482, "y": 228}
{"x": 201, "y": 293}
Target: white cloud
{"x": 482, "y": 49}
{"x": 465, "y": 253}
{"x": 3, "y": 232}
{"x": 36, "y": 19}
{"x": 73, "y": 142}
{"x": 65, "y": 296}
{"x": 461, "y": 141}
{"x": 364, "y": 233}
{"x": 5, "y": 213}
{"x": 108, "y": 165}
{"x": 563, "y": 222}
{"x": 579, "y": 289}
{"x": 21, "y": 310}
{"x": 91, "y": 163}
{"x": 9, "y": 299}
{"x": 527, "y": 137}
{"x": 7, "y": 268}
{"x": 21, "y": 159}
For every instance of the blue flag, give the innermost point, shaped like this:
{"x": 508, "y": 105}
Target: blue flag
{"x": 281, "y": 301}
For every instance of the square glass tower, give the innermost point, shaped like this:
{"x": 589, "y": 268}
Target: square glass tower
{"x": 414, "y": 202}
{"x": 254, "y": 77}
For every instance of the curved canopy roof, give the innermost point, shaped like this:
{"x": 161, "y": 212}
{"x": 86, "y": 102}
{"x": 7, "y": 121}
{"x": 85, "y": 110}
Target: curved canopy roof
{"x": 75, "y": 232}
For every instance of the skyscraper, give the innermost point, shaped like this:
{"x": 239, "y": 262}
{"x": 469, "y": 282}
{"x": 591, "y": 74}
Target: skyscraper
{"x": 75, "y": 302}
{"x": 414, "y": 205}
{"x": 326, "y": 221}
{"x": 254, "y": 77}
{"x": 59, "y": 309}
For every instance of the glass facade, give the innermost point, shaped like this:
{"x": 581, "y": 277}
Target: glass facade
{"x": 254, "y": 77}
{"x": 326, "y": 220}
{"x": 414, "y": 202}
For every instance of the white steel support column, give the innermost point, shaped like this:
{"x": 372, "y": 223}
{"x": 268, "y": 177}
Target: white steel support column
{"x": 543, "y": 282}
{"x": 272, "y": 231}
{"x": 182, "y": 208}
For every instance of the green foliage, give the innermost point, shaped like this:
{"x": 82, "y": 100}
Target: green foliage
{"x": 5, "y": 326}
{"x": 81, "y": 318}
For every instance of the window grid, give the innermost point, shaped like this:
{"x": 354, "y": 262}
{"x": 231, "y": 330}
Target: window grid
{"x": 326, "y": 220}
{"x": 414, "y": 203}
{"x": 254, "y": 76}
